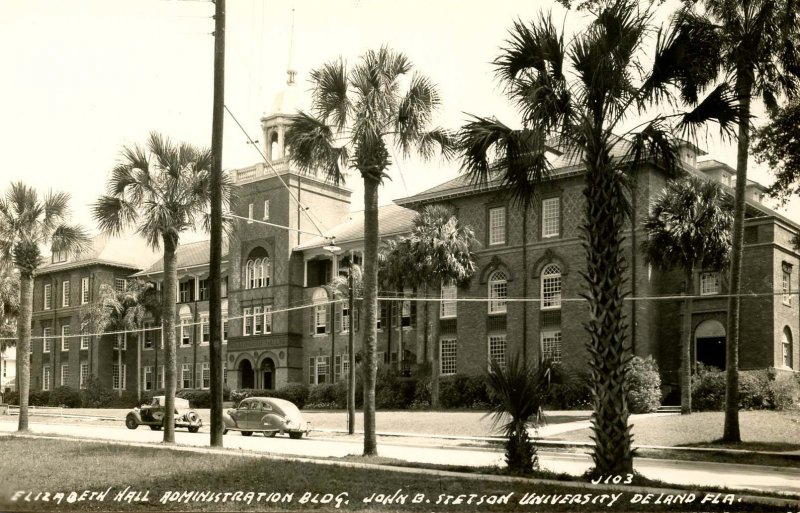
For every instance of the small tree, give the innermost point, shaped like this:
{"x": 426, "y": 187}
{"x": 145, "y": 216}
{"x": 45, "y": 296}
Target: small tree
{"x": 689, "y": 228}
{"x": 520, "y": 388}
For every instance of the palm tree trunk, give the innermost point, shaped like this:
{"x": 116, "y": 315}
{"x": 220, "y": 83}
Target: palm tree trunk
{"x": 370, "y": 311}
{"x": 120, "y": 376}
{"x": 605, "y": 219}
{"x": 351, "y": 355}
{"x": 744, "y": 85}
{"x": 24, "y": 349}
{"x": 168, "y": 323}
{"x": 434, "y": 362}
{"x": 686, "y": 346}
{"x": 525, "y": 283}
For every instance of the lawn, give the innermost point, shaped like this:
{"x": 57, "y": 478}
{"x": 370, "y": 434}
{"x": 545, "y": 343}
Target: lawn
{"x": 191, "y": 481}
{"x": 761, "y": 430}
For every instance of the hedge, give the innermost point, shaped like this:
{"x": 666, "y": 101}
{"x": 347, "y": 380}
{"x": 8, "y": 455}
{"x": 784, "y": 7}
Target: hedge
{"x": 759, "y": 389}
{"x": 296, "y": 393}
{"x": 644, "y": 385}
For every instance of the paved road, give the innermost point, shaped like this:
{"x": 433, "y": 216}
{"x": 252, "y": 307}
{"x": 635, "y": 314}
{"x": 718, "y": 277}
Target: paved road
{"x": 670, "y": 471}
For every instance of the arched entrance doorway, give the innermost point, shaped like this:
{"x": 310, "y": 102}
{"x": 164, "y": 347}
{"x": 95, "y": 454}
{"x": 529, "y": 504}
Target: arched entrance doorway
{"x": 246, "y": 374}
{"x": 268, "y": 374}
{"x": 709, "y": 339}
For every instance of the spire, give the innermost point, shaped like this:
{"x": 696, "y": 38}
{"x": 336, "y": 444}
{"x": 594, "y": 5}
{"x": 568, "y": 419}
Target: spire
{"x": 290, "y": 72}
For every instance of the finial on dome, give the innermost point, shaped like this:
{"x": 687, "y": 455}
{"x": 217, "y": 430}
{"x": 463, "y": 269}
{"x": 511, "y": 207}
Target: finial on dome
{"x": 291, "y": 74}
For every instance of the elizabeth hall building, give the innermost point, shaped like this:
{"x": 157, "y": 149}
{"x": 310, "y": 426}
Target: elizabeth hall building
{"x": 280, "y": 326}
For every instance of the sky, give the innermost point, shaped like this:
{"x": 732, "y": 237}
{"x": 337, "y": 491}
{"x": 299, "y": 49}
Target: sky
{"x": 85, "y": 77}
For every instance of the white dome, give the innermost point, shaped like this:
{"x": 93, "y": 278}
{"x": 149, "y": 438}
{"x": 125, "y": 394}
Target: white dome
{"x": 288, "y": 101}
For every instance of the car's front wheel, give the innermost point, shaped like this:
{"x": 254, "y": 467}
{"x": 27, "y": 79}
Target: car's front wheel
{"x": 247, "y": 433}
{"x": 270, "y": 434}
{"x": 296, "y": 435}
{"x": 155, "y": 427}
{"x": 130, "y": 422}
{"x": 194, "y": 429}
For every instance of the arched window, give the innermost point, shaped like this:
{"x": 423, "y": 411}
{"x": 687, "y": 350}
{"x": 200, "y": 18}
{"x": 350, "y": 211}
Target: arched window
{"x": 787, "y": 347}
{"x": 258, "y": 276}
{"x": 319, "y": 321}
{"x": 498, "y": 292}
{"x": 250, "y": 270}
{"x": 274, "y": 151}
{"x": 257, "y": 269}
{"x": 551, "y": 287}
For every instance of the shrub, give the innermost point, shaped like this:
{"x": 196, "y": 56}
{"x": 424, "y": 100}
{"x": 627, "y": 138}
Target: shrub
{"x": 461, "y": 391}
{"x": 759, "y": 389}
{"x": 39, "y": 398}
{"x": 644, "y": 385}
{"x": 783, "y": 392}
{"x": 65, "y": 396}
{"x": 96, "y": 395}
{"x": 296, "y": 393}
{"x": 568, "y": 390}
{"x": 327, "y": 396}
{"x": 12, "y": 398}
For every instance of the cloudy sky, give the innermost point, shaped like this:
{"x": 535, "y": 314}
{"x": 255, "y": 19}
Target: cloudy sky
{"x": 85, "y": 77}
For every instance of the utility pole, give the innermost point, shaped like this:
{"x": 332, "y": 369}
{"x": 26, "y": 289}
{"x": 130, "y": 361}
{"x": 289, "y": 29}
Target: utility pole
{"x": 215, "y": 271}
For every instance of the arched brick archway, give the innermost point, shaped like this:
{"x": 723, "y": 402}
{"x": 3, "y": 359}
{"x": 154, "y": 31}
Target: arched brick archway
{"x": 709, "y": 343}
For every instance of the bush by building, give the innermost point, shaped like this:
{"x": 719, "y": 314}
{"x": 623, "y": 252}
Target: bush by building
{"x": 568, "y": 390}
{"x": 65, "y": 396}
{"x": 39, "y": 398}
{"x": 462, "y": 391}
{"x": 759, "y": 389}
{"x": 644, "y": 385}
{"x": 296, "y": 393}
{"x": 96, "y": 395}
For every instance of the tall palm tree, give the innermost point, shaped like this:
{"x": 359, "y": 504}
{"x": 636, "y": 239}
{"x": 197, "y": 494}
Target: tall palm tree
{"x": 573, "y": 96}
{"x": 356, "y": 114}
{"x": 161, "y": 191}
{"x": 120, "y": 311}
{"x": 9, "y": 303}
{"x": 689, "y": 228}
{"x": 756, "y": 43}
{"x": 521, "y": 389}
{"x": 27, "y": 223}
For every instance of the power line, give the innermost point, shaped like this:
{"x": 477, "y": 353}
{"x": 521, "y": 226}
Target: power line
{"x": 257, "y": 221}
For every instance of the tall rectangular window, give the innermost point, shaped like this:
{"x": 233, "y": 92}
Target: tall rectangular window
{"x": 65, "y": 337}
{"x": 345, "y": 365}
{"x": 449, "y": 306}
{"x": 185, "y": 291}
{"x": 258, "y": 320}
{"x": 117, "y": 377}
{"x": 120, "y": 343}
{"x": 64, "y": 374}
{"x": 120, "y": 284}
{"x": 204, "y": 289}
{"x": 345, "y": 318}
{"x": 786, "y": 287}
{"x": 186, "y": 375}
{"x": 160, "y": 377}
{"x": 323, "y": 365}
{"x": 709, "y": 284}
{"x": 48, "y": 296}
{"x": 551, "y": 345}
{"x": 448, "y": 348}
{"x": 205, "y": 331}
{"x": 148, "y": 378}
{"x": 46, "y": 377}
{"x": 206, "y": 375}
{"x": 149, "y": 335}
{"x": 249, "y": 213}
{"x": 186, "y": 331}
{"x": 247, "y": 315}
{"x": 224, "y": 329}
{"x": 65, "y": 293}
{"x": 551, "y": 217}
{"x": 84, "y": 342}
{"x": 84, "y": 291}
{"x": 267, "y": 320}
{"x": 84, "y": 375}
{"x": 498, "y": 292}
{"x": 497, "y": 349}
{"x": 312, "y": 371}
{"x": 497, "y": 225}
{"x": 320, "y": 319}
{"x": 266, "y": 210}
{"x": 47, "y": 342}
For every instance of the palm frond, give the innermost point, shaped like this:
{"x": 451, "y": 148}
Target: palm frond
{"x": 331, "y": 102}
{"x": 415, "y": 111}
{"x": 437, "y": 139}
{"x": 655, "y": 143}
{"x": 721, "y": 106}
{"x": 312, "y": 143}
{"x": 69, "y": 239}
{"x": 113, "y": 215}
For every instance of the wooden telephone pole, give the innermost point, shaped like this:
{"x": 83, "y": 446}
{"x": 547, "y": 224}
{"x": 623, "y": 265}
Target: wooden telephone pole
{"x": 215, "y": 271}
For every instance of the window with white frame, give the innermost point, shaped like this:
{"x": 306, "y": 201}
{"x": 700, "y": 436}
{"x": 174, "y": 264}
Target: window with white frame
{"x": 551, "y": 287}
{"x": 247, "y": 321}
{"x": 149, "y": 335}
{"x": 160, "y": 377}
{"x": 405, "y": 309}
{"x": 120, "y": 342}
{"x": 345, "y": 365}
{"x": 786, "y": 287}
{"x": 84, "y": 291}
{"x": 65, "y": 337}
{"x": 84, "y": 375}
{"x": 120, "y": 284}
{"x": 320, "y": 319}
{"x": 224, "y": 329}
{"x": 203, "y": 289}
{"x": 186, "y": 332}
{"x": 249, "y": 213}
{"x": 323, "y": 368}
{"x": 448, "y": 356}
{"x": 64, "y": 374}
{"x": 551, "y": 345}
{"x": 786, "y": 345}
{"x": 46, "y": 377}
{"x": 148, "y": 378}
{"x": 48, "y": 296}
{"x": 205, "y": 332}
{"x": 84, "y": 341}
{"x": 266, "y": 210}
{"x": 257, "y": 273}
{"x": 267, "y": 319}
{"x": 59, "y": 256}
{"x": 551, "y": 217}
{"x": 65, "y": 294}
{"x": 498, "y": 292}
{"x": 47, "y": 341}
{"x": 117, "y": 377}
{"x": 497, "y": 349}
{"x": 709, "y": 283}
{"x": 258, "y": 320}
{"x": 186, "y": 375}
{"x": 449, "y": 306}
{"x": 497, "y": 225}
{"x": 185, "y": 291}
{"x": 206, "y": 375}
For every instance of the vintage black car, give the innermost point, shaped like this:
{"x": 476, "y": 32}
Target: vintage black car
{"x": 153, "y": 415}
{"x": 267, "y": 415}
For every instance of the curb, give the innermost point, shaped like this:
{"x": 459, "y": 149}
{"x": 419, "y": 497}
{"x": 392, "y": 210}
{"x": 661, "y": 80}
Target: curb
{"x": 787, "y": 500}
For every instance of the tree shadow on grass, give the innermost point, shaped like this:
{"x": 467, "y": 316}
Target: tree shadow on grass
{"x": 747, "y": 446}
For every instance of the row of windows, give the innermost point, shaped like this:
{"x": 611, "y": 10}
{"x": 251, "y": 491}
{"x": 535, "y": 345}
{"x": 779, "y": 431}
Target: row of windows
{"x": 319, "y": 368}
{"x": 550, "y": 290}
{"x": 550, "y": 219}
{"x": 186, "y": 290}
{"x": 65, "y": 293}
{"x": 46, "y": 378}
{"x": 448, "y": 350}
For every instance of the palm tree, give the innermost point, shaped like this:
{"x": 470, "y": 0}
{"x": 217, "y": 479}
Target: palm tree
{"x": 9, "y": 303}
{"x": 160, "y": 191}
{"x": 520, "y": 388}
{"x": 688, "y": 228}
{"x": 443, "y": 253}
{"x": 28, "y": 222}
{"x": 357, "y": 113}
{"x": 573, "y": 95}
{"x": 396, "y": 271}
{"x": 757, "y": 44}
{"x": 120, "y": 311}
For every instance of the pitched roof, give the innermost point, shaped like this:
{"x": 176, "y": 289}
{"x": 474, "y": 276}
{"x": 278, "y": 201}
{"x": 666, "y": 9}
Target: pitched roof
{"x": 126, "y": 251}
{"x": 192, "y": 254}
{"x": 392, "y": 220}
